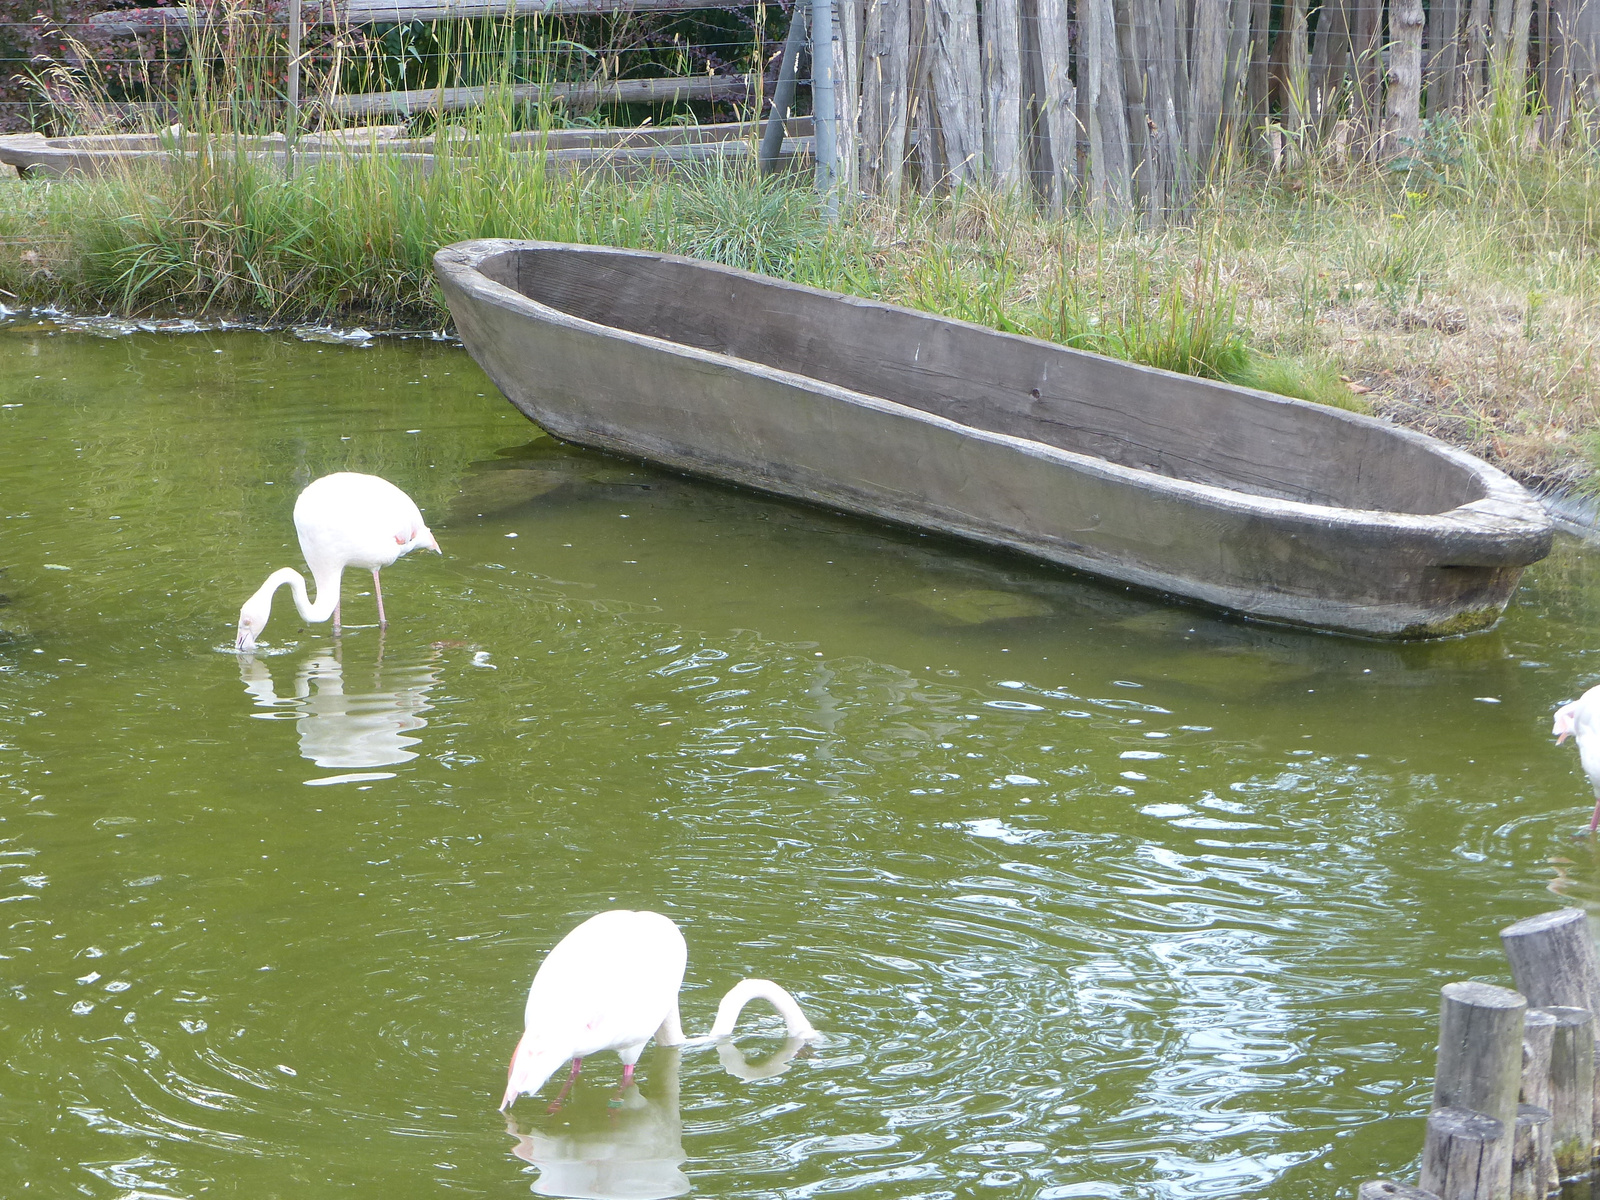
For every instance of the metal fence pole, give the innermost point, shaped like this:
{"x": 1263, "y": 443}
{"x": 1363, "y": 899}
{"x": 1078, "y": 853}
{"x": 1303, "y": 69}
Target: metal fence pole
{"x": 823, "y": 112}
{"x": 293, "y": 133}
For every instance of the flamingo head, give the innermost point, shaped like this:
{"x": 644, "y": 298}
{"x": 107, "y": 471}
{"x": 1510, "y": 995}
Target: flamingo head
{"x": 421, "y": 539}
{"x": 1566, "y": 722}
{"x": 527, "y": 1073}
{"x": 252, "y": 620}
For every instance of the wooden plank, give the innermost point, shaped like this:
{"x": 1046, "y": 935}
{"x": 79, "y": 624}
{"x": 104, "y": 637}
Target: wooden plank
{"x": 957, "y": 87}
{"x": 1110, "y": 184}
{"x": 1058, "y": 100}
{"x": 1002, "y": 80}
{"x": 190, "y": 18}
{"x": 1442, "y": 78}
{"x": 885, "y": 98}
{"x": 626, "y": 91}
{"x": 1208, "y": 51}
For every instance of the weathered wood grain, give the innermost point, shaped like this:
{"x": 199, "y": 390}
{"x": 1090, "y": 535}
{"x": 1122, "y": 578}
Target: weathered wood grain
{"x": 625, "y": 91}
{"x": 1388, "y": 1189}
{"x": 885, "y": 96}
{"x": 1530, "y": 1154}
{"x": 1057, "y": 101}
{"x": 1403, "y": 103}
{"x": 1553, "y": 959}
{"x": 957, "y": 79}
{"x": 1002, "y": 93}
{"x": 1467, "y": 1156}
{"x": 1571, "y": 1090}
{"x": 1480, "y": 1063}
{"x": 1201, "y": 489}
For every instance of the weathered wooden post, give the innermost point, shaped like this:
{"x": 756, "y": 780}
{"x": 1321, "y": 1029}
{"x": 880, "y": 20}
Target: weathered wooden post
{"x": 1388, "y": 1189}
{"x": 1554, "y": 964}
{"x": 1571, "y": 1093}
{"x": 1538, "y": 1035}
{"x": 1530, "y": 1150}
{"x": 1470, "y": 1134}
{"x": 1467, "y": 1156}
{"x": 1553, "y": 959}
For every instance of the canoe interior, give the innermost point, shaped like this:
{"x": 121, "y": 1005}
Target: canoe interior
{"x": 1177, "y": 426}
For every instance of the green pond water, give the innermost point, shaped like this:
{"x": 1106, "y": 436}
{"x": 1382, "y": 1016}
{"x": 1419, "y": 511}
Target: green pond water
{"x": 1092, "y": 895}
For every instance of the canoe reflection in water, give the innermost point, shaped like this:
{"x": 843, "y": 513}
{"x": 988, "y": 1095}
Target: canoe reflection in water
{"x": 347, "y": 728}
{"x": 633, "y": 1151}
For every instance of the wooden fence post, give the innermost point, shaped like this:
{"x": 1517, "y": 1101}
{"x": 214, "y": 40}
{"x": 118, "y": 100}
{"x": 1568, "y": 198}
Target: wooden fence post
{"x": 885, "y": 98}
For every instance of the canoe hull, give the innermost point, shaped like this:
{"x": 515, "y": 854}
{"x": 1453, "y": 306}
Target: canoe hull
{"x": 708, "y": 413}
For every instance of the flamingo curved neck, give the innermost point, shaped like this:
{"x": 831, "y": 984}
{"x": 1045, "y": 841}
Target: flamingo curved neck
{"x": 746, "y": 990}
{"x": 311, "y": 611}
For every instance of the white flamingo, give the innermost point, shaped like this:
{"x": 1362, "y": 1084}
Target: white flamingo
{"x": 612, "y": 984}
{"x": 344, "y": 520}
{"x": 1581, "y": 720}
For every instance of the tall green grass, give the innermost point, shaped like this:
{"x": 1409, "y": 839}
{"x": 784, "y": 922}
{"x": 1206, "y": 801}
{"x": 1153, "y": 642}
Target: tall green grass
{"x": 1462, "y": 284}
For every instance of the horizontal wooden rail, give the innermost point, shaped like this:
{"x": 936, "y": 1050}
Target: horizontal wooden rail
{"x": 626, "y": 91}
{"x": 188, "y": 18}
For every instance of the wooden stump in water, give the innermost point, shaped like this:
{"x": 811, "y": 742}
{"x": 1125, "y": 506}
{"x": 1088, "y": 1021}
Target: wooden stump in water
{"x": 1467, "y": 1156}
{"x": 1553, "y": 959}
{"x": 1538, "y": 1035}
{"x": 1531, "y": 1161}
{"x": 1388, "y": 1189}
{"x": 1571, "y": 1094}
{"x": 1479, "y": 1072}
{"x": 1554, "y": 963}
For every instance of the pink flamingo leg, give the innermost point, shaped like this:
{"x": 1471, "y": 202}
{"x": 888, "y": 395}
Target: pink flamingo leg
{"x": 377, "y": 590}
{"x": 336, "y": 620}
{"x": 627, "y": 1076}
{"x": 555, "y": 1105}
{"x": 1594, "y": 821}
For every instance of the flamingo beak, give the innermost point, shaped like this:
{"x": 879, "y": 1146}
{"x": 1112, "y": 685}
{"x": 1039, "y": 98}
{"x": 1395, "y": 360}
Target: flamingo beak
{"x": 512, "y": 1088}
{"x": 433, "y": 544}
{"x": 1564, "y": 736}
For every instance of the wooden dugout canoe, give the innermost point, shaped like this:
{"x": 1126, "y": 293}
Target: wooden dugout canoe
{"x": 1274, "y": 508}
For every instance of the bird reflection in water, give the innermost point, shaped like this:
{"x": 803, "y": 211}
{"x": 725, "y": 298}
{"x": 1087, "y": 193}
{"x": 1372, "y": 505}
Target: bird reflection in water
{"x": 342, "y": 723}
{"x": 633, "y": 1148}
